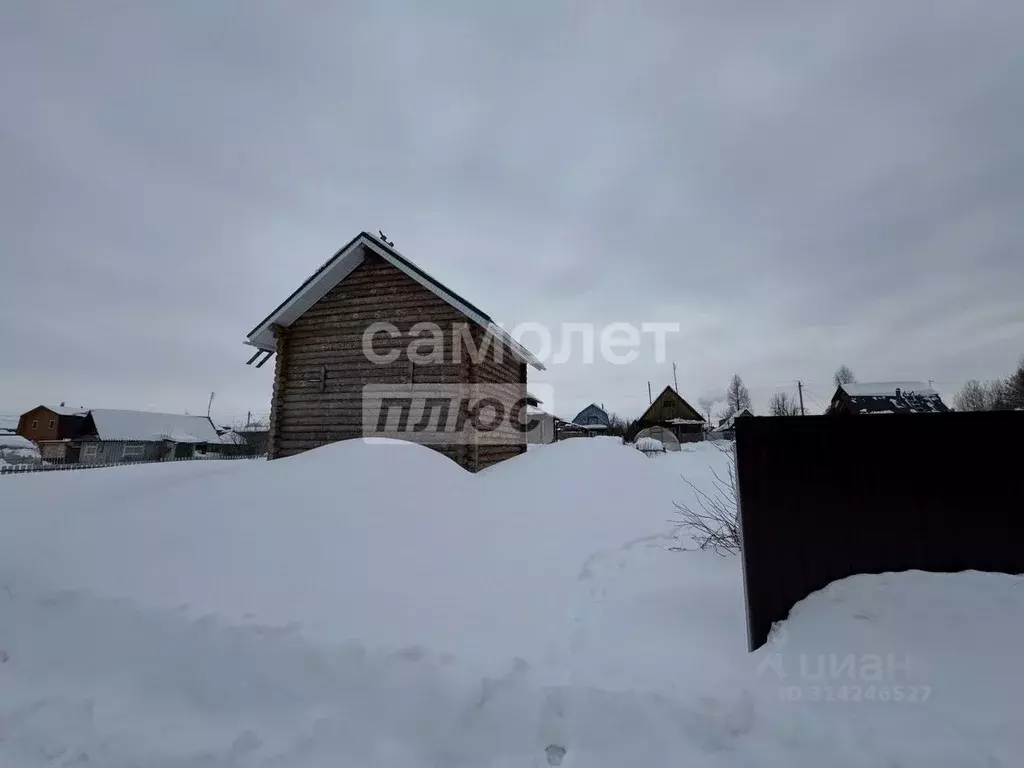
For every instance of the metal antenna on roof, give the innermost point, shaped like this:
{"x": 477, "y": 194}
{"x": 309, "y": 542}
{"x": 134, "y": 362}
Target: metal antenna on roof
{"x": 385, "y": 238}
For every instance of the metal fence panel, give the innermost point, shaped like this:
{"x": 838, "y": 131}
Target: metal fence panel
{"x": 826, "y": 497}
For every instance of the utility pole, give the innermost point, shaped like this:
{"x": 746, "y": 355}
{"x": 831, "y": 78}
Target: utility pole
{"x": 209, "y": 405}
{"x": 248, "y": 418}
{"x": 800, "y": 389}
{"x": 675, "y": 379}
{"x": 650, "y": 398}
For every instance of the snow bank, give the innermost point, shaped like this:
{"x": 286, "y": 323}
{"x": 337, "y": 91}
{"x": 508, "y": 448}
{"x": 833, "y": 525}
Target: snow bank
{"x": 649, "y": 445}
{"x": 374, "y": 604}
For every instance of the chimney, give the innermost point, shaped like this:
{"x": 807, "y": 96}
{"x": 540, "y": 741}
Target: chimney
{"x": 897, "y": 391}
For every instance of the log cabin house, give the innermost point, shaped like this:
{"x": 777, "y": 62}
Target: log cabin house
{"x": 328, "y": 383}
{"x": 672, "y": 413}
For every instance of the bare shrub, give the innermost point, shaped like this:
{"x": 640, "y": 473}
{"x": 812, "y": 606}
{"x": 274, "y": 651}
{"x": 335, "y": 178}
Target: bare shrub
{"x": 713, "y": 523}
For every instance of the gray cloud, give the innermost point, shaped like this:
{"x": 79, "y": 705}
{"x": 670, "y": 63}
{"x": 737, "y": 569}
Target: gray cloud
{"x": 797, "y": 184}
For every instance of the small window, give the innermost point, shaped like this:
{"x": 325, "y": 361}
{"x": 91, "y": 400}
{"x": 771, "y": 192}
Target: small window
{"x": 35, "y": 423}
{"x": 133, "y": 450}
{"x": 53, "y": 423}
{"x": 89, "y": 451}
{"x": 668, "y": 412}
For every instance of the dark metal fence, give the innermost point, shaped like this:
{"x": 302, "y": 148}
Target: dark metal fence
{"x": 826, "y": 497}
{"x": 57, "y": 465}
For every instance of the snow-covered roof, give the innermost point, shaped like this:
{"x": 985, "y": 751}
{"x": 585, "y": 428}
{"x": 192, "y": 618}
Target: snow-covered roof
{"x": 893, "y": 397}
{"x": 230, "y": 438}
{"x": 342, "y": 264}
{"x": 730, "y": 421}
{"x": 685, "y": 421}
{"x": 9, "y": 423}
{"x": 887, "y": 388}
{"x": 145, "y": 426}
{"x": 16, "y": 441}
{"x": 593, "y": 427}
{"x": 66, "y": 410}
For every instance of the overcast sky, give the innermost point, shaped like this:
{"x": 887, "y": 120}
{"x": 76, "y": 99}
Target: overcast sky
{"x": 797, "y": 184}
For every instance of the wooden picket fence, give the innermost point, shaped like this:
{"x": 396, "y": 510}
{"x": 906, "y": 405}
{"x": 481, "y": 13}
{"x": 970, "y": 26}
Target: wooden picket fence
{"x": 22, "y": 469}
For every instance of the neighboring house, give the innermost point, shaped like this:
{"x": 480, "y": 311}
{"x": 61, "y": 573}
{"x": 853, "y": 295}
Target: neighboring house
{"x": 109, "y": 435}
{"x": 886, "y": 397}
{"x": 726, "y": 429}
{"x": 255, "y": 437}
{"x": 592, "y": 416}
{"x": 350, "y": 332}
{"x": 670, "y": 411}
{"x": 540, "y": 425}
{"x": 52, "y": 428}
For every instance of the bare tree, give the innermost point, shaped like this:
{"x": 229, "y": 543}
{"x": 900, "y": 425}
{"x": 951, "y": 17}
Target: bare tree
{"x": 783, "y": 404}
{"x": 617, "y": 425}
{"x": 1013, "y": 387}
{"x": 737, "y": 397}
{"x": 843, "y": 375}
{"x": 973, "y": 397}
{"x": 983, "y": 396}
{"x": 714, "y": 522}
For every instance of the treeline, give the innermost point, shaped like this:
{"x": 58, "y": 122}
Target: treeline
{"x": 1006, "y": 394}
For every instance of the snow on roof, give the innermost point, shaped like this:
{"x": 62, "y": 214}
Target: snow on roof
{"x": 9, "y": 423}
{"x": 145, "y": 426}
{"x": 16, "y": 441}
{"x": 881, "y": 397}
{"x": 887, "y": 388}
{"x": 685, "y": 421}
{"x": 342, "y": 264}
{"x": 63, "y": 410}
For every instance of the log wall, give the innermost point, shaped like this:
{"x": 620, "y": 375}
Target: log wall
{"x": 322, "y": 368}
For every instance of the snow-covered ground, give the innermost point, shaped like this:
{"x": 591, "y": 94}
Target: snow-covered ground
{"x": 373, "y": 604}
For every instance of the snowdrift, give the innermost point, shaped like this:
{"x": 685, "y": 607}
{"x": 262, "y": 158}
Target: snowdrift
{"x": 374, "y": 604}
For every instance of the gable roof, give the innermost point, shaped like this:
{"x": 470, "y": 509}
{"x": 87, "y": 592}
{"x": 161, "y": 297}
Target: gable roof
{"x": 729, "y": 422}
{"x": 144, "y": 426}
{"x": 61, "y": 410}
{"x": 341, "y": 265}
{"x": 891, "y": 397}
{"x": 593, "y": 406}
{"x": 661, "y": 394}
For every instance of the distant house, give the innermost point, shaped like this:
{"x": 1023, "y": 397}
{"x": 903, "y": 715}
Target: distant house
{"x": 357, "y": 328}
{"x": 109, "y": 435}
{"x": 540, "y": 425}
{"x": 593, "y": 416}
{"x": 886, "y": 397}
{"x": 52, "y": 428}
{"x": 673, "y": 414}
{"x": 726, "y": 429}
{"x": 255, "y": 437}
